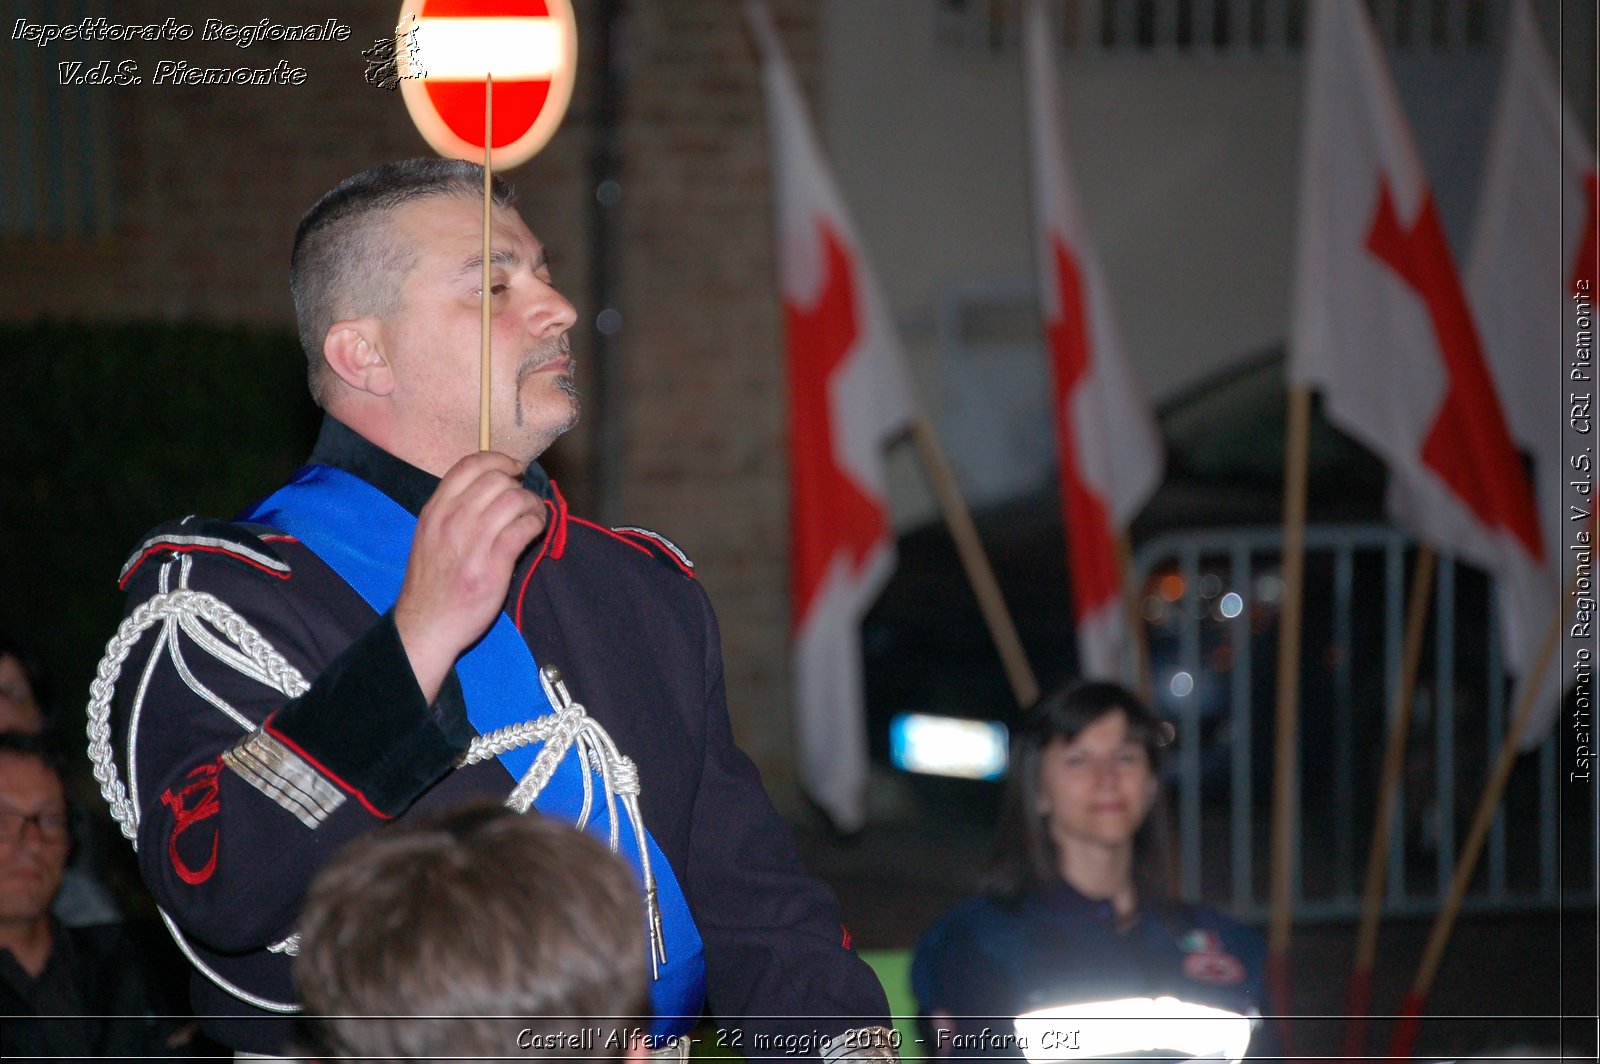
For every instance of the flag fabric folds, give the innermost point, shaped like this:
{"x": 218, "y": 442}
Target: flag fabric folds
{"x": 1381, "y": 326}
{"x": 1109, "y": 448}
{"x": 1531, "y": 272}
{"x": 849, "y": 395}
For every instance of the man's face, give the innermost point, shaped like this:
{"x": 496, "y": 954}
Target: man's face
{"x": 433, "y": 339}
{"x": 30, "y": 864}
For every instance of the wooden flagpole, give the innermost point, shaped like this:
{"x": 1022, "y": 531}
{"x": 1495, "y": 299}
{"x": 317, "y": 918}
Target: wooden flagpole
{"x": 1359, "y": 990}
{"x": 1144, "y": 684}
{"x": 1286, "y": 750}
{"x": 483, "y": 292}
{"x": 1024, "y": 685}
{"x": 1405, "y": 1034}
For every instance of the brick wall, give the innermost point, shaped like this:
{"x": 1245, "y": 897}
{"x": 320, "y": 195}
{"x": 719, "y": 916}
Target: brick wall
{"x": 701, "y": 354}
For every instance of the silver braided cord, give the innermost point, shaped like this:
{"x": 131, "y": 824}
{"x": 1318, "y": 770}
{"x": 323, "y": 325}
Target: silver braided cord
{"x": 166, "y": 609}
{"x": 598, "y": 755}
{"x": 242, "y": 648}
{"x": 266, "y": 1004}
{"x": 290, "y": 945}
{"x": 184, "y": 609}
{"x": 506, "y": 739}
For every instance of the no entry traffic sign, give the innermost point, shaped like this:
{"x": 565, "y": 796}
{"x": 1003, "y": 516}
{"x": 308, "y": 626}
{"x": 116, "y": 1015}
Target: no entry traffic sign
{"x": 447, "y": 48}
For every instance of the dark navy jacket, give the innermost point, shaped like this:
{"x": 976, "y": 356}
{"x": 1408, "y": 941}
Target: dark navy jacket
{"x": 229, "y": 844}
{"x": 93, "y": 999}
{"x": 988, "y": 961}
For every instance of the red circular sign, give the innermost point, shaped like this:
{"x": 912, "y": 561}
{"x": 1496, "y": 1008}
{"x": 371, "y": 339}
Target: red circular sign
{"x": 447, "y": 47}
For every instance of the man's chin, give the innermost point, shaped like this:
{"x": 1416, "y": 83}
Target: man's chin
{"x": 566, "y": 396}
{"x": 543, "y": 422}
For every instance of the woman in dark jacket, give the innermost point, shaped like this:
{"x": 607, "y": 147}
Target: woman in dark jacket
{"x": 1066, "y": 918}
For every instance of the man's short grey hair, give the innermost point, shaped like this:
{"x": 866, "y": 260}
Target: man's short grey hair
{"x": 346, "y": 261}
{"x": 414, "y": 939}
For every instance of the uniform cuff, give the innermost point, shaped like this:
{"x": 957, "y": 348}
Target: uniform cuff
{"x": 365, "y": 725}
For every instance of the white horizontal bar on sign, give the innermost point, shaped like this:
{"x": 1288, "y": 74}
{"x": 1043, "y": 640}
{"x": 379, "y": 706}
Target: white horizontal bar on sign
{"x": 469, "y": 49}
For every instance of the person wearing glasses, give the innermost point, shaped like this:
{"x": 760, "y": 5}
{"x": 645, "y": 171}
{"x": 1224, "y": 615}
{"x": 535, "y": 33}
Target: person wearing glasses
{"x": 76, "y": 992}
{"x": 26, "y": 708}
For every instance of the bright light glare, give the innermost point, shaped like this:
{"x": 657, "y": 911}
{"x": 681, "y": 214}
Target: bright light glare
{"x": 1182, "y": 683}
{"x": 1232, "y": 605}
{"x": 466, "y": 49}
{"x": 948, "y": 746}
{"x": 1132, "y": 1026}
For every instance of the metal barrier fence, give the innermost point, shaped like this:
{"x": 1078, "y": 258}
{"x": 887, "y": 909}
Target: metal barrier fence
{"x": 1209, "y": 601}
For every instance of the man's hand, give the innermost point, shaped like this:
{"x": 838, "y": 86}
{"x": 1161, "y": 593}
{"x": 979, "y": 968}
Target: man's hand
{"x": 469, "y": 536}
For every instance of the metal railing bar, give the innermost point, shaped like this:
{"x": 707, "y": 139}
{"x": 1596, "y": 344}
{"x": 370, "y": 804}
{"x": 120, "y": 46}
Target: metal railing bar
{"x": 1333, "y": 911}
{"x": 1394, "y": 584}
{"x": 1250, "y": 553}
{"x": 1259, "y": 538}
{"x": 1549, "y": 816}
{"x": 1344, "y": 723}
{"x": 1240, "y": 725}
{"x": 1189, "y": 725}
{"x": 1495, "y": 734}
{"x": 1444, "y": 703}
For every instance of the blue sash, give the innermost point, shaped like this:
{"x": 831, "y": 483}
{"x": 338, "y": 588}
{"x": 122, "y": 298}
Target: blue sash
{"x": 365, "y": 537}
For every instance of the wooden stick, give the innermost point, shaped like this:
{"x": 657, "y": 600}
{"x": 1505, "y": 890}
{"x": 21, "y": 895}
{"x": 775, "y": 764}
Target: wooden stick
{"x": 1024, "y": 685}
{"x": 1172, "y": 849}
{"x": 1467, "y": 863}
{"x": 1144, "y": 683}
{"x": 1296, "y": 457}
{"x": 1406, "y": 1031}
{"x": 1360, "y": 986}
{"x": 483, "y": 294}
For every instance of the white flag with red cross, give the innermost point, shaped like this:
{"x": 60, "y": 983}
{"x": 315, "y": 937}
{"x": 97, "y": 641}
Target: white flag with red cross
{"x": 1109, "y": 448}
{"x": 1382, "y": 327}
{"x": 849, "y": 395}
{"x": 1532, "y": 269}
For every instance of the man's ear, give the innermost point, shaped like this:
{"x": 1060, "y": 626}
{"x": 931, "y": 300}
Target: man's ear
{"x": 355, "y": 352}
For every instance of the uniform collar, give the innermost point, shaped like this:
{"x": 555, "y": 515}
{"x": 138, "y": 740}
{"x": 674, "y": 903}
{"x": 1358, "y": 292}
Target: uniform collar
{"x": 1062, "y": 896}
{"x": 342, "y": 447}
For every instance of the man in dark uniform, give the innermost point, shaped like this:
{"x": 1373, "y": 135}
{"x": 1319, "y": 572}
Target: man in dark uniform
{"x": 291, "y": 680}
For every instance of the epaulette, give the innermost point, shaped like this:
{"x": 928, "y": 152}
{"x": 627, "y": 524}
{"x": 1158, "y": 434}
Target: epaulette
{"x": 645, "y": 541}
{"x": 249, "y": 545}
{"x": 658, "y": 547}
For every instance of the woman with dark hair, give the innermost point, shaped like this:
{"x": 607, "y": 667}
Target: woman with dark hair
{"x": 1066, "y": 916}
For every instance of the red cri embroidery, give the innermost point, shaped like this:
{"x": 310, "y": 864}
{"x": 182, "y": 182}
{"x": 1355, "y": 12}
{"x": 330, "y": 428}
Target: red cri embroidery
{"x": 1217, "y": 969}
{"x": 194, "y": 803}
